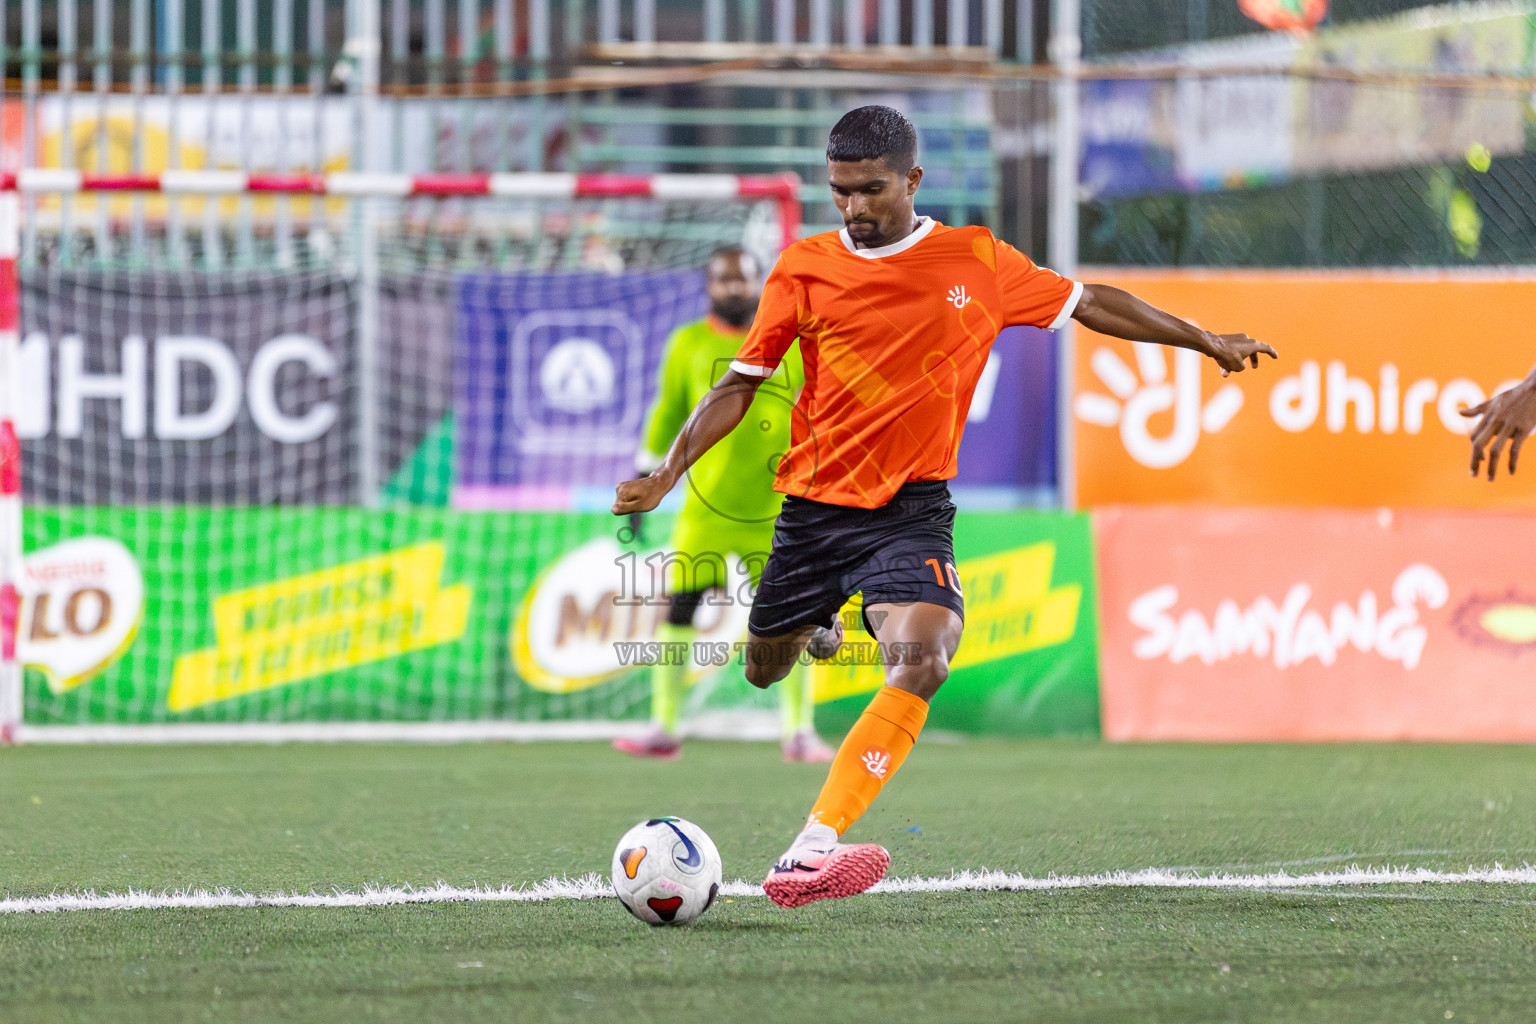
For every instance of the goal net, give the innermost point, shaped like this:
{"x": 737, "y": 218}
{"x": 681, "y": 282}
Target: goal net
{"x": 334, "y": 455}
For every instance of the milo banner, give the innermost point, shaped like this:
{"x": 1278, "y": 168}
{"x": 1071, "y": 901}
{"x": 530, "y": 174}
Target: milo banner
{"x": 342, "y": 614}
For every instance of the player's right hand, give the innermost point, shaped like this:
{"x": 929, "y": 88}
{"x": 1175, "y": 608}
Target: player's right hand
{"x": 1233, "y": 352}
{"x": 1508, "y": 418}
{"x": 640, "y": 495}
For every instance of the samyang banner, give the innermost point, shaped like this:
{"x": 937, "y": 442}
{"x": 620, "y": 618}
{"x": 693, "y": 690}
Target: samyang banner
{"x": 1284, "y": 625}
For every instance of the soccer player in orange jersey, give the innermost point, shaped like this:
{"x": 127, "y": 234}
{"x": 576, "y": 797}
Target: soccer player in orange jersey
{"x": 895, "y": 315}
{"x": 1506, "y": 418}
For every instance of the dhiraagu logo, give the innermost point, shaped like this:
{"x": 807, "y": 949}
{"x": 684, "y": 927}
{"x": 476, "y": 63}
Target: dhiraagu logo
{"x": 1011, "y": 607}
{"x": 1142, "y": 393}
{"x": 298, "y": 628}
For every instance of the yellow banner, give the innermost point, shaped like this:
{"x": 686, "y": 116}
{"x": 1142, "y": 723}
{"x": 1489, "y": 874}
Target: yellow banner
{"x": 305, "y": 626}
{"x": 1010, "y": 608}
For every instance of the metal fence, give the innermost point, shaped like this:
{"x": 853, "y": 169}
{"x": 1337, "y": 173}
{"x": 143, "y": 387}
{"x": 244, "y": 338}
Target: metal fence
{"x": 484, "y": 86}
{"x": 1400, "y": 134}
{"x": 751, "y": 86}
{"x": 1115, "y": 27}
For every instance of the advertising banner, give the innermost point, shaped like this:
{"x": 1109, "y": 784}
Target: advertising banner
{"x": 1010, "y": 431}
{"x": 1361, "y": 408}
{"x": 143, "y": 387}
{"x": 1028, "y": 663}
{"x": 1317, "y": 625}
{"x": 553, "y": 374}
{"x": 154, "y": 615}
{"x": 229, "y": 387}
{"x": 239, "y": 388}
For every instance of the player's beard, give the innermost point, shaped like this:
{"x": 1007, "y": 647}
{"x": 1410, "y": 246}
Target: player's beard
{"x": 865, "y": 232}
{"x": 736, "y": 312}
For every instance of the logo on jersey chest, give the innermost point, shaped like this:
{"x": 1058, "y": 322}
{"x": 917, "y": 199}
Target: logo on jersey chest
{"x": 957, "y": 296}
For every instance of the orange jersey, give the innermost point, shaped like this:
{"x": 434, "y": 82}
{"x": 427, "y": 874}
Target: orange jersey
{"x": 894, "y": 340}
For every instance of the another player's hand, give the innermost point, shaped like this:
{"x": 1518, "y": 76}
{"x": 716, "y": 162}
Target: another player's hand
{"x": 640, "y": 495}
{"x": 1233, "y": 352}
{"x": 1508, "y": 418}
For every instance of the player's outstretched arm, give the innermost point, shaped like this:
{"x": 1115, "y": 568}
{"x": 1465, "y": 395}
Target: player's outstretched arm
{"x": 1508, "y": 418}
{"x": 715, "y": 416}
{"x": 1120, "y": 314}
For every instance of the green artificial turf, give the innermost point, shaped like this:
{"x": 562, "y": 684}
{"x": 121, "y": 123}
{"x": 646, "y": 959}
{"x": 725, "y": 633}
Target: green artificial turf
{"x": 300, "y": 818}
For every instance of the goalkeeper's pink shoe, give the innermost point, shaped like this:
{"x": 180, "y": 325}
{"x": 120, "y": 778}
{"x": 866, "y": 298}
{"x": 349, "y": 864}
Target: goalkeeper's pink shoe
{"x": 809, "y": 872}
{"x": 805, "y": 746}
{"x": 655, "y": 743}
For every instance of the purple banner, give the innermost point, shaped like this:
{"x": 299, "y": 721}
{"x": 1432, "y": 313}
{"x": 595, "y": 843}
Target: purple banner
{"x": 553, "y": 374}
{"x": 1010, "y": 434}
{"x": 552, "y": 377}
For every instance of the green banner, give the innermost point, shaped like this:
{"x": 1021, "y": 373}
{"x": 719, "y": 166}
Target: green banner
{"x": 339, "y": 614}
{"x": 1028, "y": 662}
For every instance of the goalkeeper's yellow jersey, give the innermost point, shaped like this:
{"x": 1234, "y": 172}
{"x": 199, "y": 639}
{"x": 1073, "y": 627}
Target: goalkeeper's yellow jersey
{"x": 729, "y": 497}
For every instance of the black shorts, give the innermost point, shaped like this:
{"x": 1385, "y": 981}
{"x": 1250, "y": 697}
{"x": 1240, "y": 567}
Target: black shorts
{"x": 900, "y": 553}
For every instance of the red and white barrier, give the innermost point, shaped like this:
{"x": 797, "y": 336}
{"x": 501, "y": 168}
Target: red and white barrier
{"x": 10, "y": 473}
{"x": 783, "y": 189}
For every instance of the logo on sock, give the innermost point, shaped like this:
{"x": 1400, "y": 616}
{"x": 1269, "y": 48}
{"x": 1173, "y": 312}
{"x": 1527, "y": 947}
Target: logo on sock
{"x": 877, "y": 762}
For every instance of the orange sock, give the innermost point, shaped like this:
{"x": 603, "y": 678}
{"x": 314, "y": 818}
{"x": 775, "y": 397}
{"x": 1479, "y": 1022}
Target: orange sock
{"x": 871, "y": 752}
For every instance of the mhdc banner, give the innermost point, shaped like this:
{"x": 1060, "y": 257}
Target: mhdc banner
{"x": 152, "y": 386}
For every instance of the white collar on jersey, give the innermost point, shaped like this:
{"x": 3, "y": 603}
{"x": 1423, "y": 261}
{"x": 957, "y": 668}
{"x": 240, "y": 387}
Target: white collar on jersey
{"x": 924, "y": 227}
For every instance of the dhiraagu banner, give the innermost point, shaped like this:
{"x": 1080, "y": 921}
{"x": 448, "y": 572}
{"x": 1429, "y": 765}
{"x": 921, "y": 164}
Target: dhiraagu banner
{"x": 153, "y": 615}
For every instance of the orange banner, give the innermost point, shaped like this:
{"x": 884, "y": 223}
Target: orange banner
{"x": 1360, "y": 409}
{"x": 1285, "y": 625}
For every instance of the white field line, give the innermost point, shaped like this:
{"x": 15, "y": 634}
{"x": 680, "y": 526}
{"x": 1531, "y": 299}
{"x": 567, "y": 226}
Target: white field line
{"x": 1431, "y": 896}
{"x": 592, "y": 886}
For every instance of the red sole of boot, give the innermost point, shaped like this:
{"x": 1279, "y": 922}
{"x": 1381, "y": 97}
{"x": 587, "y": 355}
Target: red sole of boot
{"x": 641, "y": 750}
{"x": 848, "y": 872}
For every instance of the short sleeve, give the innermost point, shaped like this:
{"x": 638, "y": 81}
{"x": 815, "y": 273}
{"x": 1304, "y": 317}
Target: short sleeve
{"x": 1032, "y": 295}
{"x": 774, "y": 328}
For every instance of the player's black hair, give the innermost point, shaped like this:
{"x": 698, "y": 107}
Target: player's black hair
{"x": 739, "y": 251}
{"x": 874, "y": 133}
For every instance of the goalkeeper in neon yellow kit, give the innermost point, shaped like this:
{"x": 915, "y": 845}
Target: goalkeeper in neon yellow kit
{"x": 730, "y": 504}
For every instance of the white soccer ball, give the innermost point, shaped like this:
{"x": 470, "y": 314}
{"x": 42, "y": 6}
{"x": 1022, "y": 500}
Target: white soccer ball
{"x": 666, "y": 871}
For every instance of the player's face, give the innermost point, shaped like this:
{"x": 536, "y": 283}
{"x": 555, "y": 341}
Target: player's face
{"x": 734, "y": 285}
{"x": 875, "y": 201}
